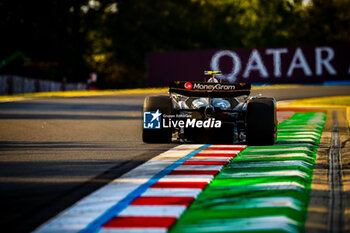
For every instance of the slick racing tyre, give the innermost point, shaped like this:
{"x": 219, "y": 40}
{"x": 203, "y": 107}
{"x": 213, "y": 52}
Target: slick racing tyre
{"x": 155, "y": 133}
{"x": 261, "y": 121}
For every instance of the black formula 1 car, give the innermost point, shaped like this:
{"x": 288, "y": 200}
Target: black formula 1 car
{"x": 210, "y": 112}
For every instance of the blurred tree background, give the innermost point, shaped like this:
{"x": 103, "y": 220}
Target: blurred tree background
{"x": 67, "y": 40}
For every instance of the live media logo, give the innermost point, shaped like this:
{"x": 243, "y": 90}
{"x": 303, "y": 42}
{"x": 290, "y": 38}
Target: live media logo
{"x": 151, "y": 120}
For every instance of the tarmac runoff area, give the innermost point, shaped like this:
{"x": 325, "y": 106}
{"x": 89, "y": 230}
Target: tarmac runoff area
{"x": 300, "y": 183}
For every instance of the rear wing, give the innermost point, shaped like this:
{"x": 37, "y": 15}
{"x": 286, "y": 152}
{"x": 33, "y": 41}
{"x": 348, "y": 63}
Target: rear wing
{"x": 204, "y": 89}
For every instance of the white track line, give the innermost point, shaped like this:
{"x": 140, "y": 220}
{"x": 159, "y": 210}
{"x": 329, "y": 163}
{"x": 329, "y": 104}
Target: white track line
{"x": 199, "y": 167}
{"x": 187, "y": 178}
{"x": 171, "y": 192}
{"x": 134, "y": 230}
{"x": 103, "y": 203}
{"x": 153, "y": 211}
{"x": 76, "y": 217}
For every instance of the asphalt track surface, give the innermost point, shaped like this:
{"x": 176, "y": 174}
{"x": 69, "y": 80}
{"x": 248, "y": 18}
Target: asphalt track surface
{"x": 54, "y": 151}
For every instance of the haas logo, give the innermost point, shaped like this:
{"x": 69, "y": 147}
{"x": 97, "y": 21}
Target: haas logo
{"x": 188, "y": 86}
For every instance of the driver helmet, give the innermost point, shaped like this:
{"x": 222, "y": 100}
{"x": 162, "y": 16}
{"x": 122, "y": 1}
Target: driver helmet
{"x": 213, "y": 80}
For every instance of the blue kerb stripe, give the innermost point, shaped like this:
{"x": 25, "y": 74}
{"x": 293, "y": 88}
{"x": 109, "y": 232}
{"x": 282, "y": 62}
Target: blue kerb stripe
{"x": 125, "y": 202}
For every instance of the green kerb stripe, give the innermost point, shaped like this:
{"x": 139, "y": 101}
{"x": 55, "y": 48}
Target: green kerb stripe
{"x": 263, "y": 189}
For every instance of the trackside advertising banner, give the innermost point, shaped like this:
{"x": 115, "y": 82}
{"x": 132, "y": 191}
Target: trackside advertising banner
{"x": 268, "y": 65}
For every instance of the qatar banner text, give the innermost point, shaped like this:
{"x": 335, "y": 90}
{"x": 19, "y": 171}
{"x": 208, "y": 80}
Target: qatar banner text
{"x": 269, "y": 65}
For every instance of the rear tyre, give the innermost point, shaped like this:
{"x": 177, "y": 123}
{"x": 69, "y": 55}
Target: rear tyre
{"x": 261, "y": 121}
{"x": 165, "y": 106}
